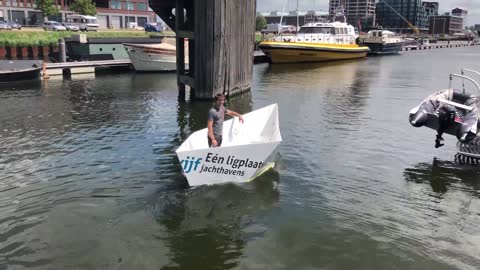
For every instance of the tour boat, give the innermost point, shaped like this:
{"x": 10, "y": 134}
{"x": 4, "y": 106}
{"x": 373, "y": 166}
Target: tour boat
{"x": 246, "y": 151}
{"x": 382, "y": 42}
{"x": 450, "y": 111}
{"x": 315, "y": 42}
{"x": 152, "y": 57}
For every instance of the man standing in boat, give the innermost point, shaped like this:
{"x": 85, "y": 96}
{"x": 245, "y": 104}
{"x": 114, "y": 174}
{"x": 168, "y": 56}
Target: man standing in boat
{"x": 216, "y": 115}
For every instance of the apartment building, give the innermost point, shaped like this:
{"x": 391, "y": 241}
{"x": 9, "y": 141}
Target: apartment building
{"x": 412, "y": 11}
{"x": 356, "y": 11}
{"x": 431, "y": 8}
{"x": 114, "y": 14}
{"x": 445, "y": 25}
{"x": 462, "y": 13}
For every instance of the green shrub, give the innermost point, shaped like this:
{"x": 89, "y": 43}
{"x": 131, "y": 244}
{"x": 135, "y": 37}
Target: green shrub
{"x": 41, "y": 38}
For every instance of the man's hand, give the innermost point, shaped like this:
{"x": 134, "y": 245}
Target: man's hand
{"x": 241, "y": 119}
{"x": 214, "y": 143}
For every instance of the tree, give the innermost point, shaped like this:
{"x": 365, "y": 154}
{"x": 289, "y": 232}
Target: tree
{"x": 47, "y": 7}
{"x": 260, "y": 22}
{"x": 84, "y": 7}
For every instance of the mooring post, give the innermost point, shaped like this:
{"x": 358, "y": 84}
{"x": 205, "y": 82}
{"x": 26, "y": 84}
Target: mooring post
{"x": 191, "y": 65}
{"x": 180, "y": 44}
{"x": 61, "y": 50}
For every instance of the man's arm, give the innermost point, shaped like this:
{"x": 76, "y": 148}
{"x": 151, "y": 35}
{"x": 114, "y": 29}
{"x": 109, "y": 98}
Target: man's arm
{"x": 232, "y": 113}
{"x": 210, "y": 132}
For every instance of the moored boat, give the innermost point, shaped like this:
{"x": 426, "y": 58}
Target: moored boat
{"x": 315, "y": 42}
{"x": 152, "y": 57}
{"x": 450, "y": 111}
{"x": 382, "y": 42}
{"x": 245, "y": 152}
{"x": 20, "y": 70}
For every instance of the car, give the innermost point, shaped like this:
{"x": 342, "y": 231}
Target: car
{"x": 150, "y": 27}
{"x": 14, "y": 25}
{"x": 71, "y": 27}
{"x": 53, "y": 26}
{"x": 5, "y": 26}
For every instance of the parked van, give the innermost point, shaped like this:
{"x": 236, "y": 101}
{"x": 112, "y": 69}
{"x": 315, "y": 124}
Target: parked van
{"x": 84, "y": 22}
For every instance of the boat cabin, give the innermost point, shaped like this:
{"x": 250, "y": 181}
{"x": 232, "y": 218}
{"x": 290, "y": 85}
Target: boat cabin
{"x": 381, "y": 36}
{"x": 318, "y": 32}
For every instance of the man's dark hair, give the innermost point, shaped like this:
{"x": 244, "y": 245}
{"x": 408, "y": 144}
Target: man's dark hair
{"x": 218, "y": 96}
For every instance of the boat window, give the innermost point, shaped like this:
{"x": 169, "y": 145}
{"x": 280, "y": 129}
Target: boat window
{"x": 314, "y": 30}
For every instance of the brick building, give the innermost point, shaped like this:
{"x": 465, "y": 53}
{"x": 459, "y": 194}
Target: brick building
{"x": 110, "y": 13}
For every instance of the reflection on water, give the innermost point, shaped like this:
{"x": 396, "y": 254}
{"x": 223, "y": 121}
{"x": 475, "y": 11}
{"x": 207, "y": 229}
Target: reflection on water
{"x": 205, "y": 225}
{"x": 443, "y": 174}
{"x": 89, "y": 178}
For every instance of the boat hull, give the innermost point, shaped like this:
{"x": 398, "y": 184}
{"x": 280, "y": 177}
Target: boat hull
{"x": 20, "y": 75}
{"x": 152, "y": 59}
{"x": 285, "y": 52}
{"x": 218, "y": 165}
{"x": 384, "y": 48}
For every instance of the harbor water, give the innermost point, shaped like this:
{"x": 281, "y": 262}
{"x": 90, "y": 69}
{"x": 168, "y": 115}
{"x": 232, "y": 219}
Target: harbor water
{"x": 89, "y": 178}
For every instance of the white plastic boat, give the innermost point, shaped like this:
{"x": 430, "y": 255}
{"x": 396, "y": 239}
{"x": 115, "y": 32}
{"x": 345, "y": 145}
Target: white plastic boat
{"x": 245, "y": 152}
{"x": 152, "y": 57}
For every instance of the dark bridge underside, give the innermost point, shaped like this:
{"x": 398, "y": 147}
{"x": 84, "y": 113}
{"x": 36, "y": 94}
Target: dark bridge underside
{"x": 165, "y": 10}
{"x": 220, "y": 36}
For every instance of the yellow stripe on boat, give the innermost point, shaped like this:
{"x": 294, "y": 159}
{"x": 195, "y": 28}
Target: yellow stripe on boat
{"x": 263, "y": 170}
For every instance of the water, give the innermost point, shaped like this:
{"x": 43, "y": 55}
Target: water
{"x": 89, "y": 178}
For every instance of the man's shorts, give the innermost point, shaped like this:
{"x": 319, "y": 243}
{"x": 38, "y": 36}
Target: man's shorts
{"x": 218, "y": 139}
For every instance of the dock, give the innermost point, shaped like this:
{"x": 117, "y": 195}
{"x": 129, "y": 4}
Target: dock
{"x": 83, "y": 66}
{"x": 437, "y": 46}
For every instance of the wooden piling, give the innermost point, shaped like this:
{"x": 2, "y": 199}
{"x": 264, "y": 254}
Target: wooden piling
{"x": 221, "y": 37}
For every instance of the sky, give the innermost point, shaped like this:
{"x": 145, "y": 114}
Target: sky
{"x": 473, "y": 6}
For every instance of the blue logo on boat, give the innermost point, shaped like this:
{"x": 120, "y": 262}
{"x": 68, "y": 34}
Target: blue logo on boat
{"x": 190, "y": 163}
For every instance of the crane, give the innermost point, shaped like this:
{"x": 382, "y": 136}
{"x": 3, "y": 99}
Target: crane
{"x": 413, "y": 27}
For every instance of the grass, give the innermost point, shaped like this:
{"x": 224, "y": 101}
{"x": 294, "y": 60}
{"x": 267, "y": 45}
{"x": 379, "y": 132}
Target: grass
{"x": 258, "y": 37}
{"x": 43, "y": 38}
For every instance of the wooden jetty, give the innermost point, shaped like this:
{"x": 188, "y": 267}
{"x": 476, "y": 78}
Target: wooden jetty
{"x": 68, "y": 68}
{"x": 220, "y": 37}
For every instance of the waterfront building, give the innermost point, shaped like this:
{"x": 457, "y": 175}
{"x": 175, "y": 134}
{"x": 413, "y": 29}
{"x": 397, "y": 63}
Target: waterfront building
{"x": 290, "y": 18}
{"x": 431, "y": 8}
{"x": 412, "y": 10}
{"x": 445, "y": 25}
{"x": 110, "y": 13}
{"x": 357, "y": 12}
{"x": 460, "y": 12}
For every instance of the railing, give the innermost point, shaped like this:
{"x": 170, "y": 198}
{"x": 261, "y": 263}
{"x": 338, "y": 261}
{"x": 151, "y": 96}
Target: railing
{"x": 465, "y": 78}
{"x": 331, "y": 39}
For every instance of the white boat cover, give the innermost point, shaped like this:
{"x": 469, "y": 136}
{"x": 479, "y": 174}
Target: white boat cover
{"x": 245, "y": 149}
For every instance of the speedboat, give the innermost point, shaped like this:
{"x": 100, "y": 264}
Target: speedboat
{"x": 246, "y": 150}
{"x": 451, "y": 111}
{"x": 315, "y": 42}
{"x": 382, "y": 42}
{"x": 153, "y": 57}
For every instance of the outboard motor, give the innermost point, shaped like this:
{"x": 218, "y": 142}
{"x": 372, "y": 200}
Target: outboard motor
{"x": 446, "y": 117}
